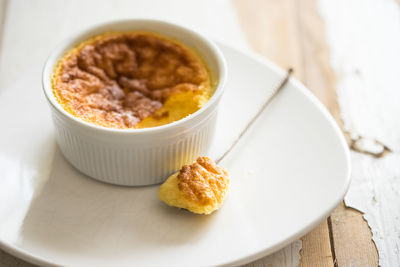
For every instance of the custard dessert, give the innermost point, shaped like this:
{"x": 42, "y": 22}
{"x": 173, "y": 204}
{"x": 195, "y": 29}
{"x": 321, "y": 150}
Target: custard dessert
{"x": 131, "y": 80}
{"x": 200, "y": 187}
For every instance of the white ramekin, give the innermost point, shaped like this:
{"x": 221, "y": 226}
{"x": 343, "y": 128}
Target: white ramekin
{"x": 137, "y": 156}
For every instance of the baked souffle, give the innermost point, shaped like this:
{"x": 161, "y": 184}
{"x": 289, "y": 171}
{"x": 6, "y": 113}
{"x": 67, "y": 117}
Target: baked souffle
{"x": 131, "y": 80}
{"x": 200, "y": 187}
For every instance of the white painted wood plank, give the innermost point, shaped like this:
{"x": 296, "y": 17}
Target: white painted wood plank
{"x": 375, "y": 191}
{"x": 365, "y": 40}
{"x": 33, "y": 28}
{"x": 364, "y": 37}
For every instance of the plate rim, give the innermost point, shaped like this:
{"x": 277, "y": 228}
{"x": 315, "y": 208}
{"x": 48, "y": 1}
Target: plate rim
{"x": 310, "y": 96}
{"x": 29, "y": 257}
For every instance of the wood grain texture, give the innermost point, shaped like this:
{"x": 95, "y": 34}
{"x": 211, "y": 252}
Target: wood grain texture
{"x": 352, "y": 238}
{"x": 272, "y": 31}
{"x": 316, "y": 249}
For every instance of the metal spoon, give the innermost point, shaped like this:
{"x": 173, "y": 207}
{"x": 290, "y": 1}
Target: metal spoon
{"x": 277, "y": 89}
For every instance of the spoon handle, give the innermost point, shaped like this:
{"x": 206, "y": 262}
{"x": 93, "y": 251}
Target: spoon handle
{"x": 276, "y": 90}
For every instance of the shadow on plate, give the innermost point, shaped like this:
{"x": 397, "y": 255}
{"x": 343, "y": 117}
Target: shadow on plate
{"x": 76, "y": 214}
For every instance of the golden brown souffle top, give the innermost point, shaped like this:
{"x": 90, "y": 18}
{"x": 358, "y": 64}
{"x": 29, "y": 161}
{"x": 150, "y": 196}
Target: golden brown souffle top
{"x": 131, "y": 80}
{"x": 203, "y": 182}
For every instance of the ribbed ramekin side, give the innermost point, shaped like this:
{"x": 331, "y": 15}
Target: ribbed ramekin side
{"x": 129, "y": 164}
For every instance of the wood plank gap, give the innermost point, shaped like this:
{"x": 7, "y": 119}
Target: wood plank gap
{"x": 332, "y": 242}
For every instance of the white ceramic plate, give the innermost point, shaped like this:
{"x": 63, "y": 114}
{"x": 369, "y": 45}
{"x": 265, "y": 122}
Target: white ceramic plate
{"x": 287, "y": 174}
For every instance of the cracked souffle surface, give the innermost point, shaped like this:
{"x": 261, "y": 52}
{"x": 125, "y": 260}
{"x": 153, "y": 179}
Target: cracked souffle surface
{"x": 131, "y": 80}
{"x": 200, "y": 187}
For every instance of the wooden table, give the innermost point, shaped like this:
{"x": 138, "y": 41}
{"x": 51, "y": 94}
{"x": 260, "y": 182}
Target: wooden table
{"x": 290, "y": 33}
